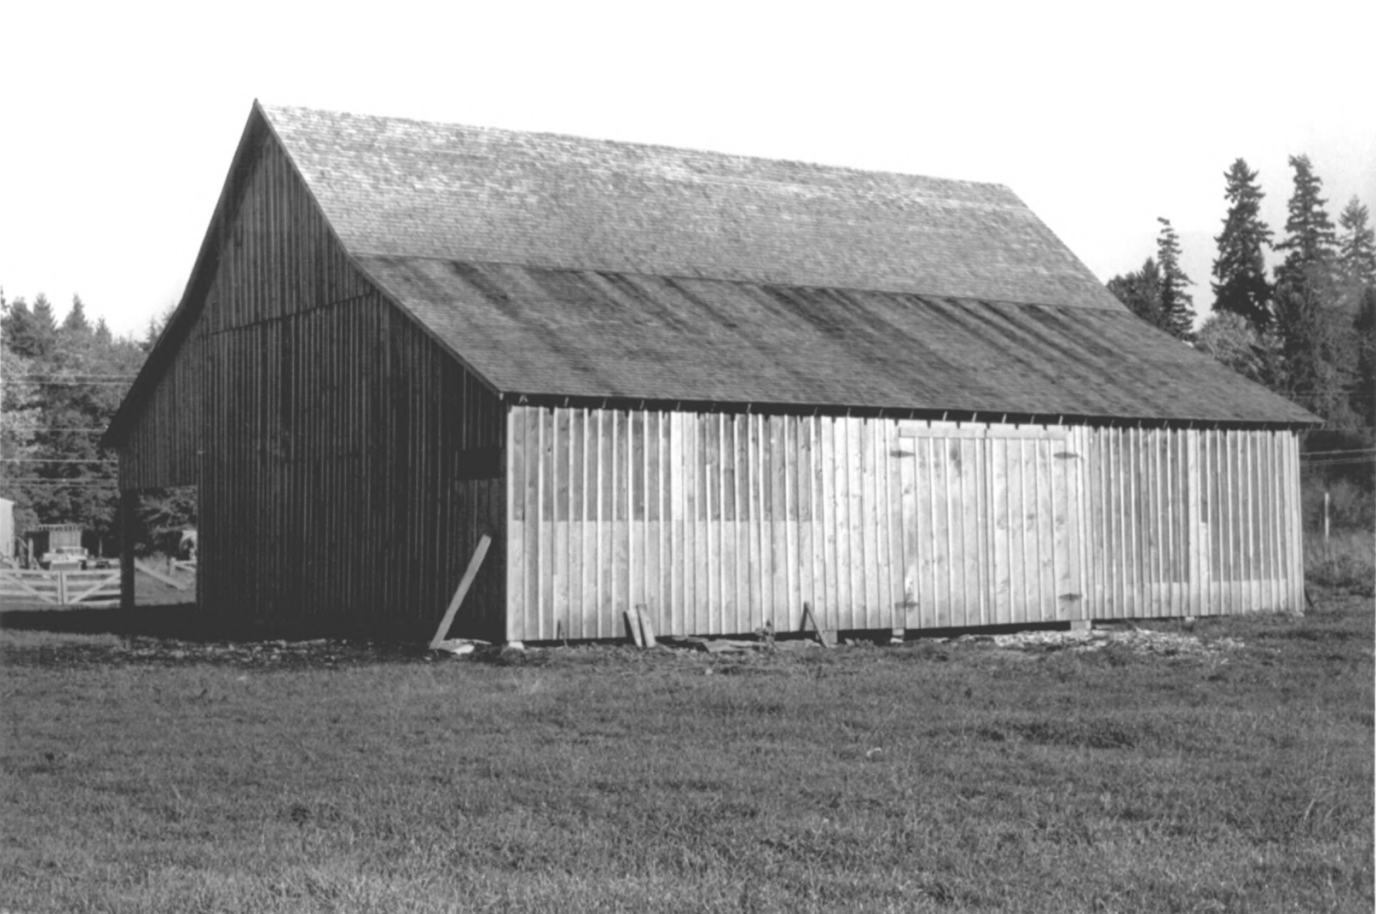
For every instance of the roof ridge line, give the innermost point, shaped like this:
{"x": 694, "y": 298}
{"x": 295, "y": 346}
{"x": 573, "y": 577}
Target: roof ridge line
{"x": 634, "y": 144}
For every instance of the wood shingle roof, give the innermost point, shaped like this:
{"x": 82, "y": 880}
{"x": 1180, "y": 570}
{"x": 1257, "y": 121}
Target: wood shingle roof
{"x": 584, "y": 333}
{"x": 565, "y": 267}
{"x": 412, "y": 189}
{"x": 562, "y": 266}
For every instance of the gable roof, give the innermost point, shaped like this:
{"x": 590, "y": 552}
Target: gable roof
{"x": 583, "y": 333}
{"x": 566, "y": 267}
{"x": 406, "y": 188}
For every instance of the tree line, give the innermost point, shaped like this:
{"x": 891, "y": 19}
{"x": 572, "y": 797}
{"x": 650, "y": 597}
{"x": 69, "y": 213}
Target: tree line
{"x": 1307, "y": 329}
{"x": 60, "y": 385}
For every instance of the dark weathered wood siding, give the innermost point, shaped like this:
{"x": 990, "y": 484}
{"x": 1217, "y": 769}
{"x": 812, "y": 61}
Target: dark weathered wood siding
{"x": 346, "y": 463}
{"x": 718, "y": 522}
{"x": 164, "y": 445}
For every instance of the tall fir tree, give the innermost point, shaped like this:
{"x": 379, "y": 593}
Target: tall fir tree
{"x": 44, "y": 325}
{"x": 1177, "y": 304}
{"x": 1309, "y": 236}
{"x": 1240, "y": 283}
{"x": 75, "y": 321}
{"x": 25, "y": 334}
{"x": 1356, "y": 246}
{"x": 15, "y": 318}
{"x": 1140, "y": 290}
{"x": 1306, "y": 288}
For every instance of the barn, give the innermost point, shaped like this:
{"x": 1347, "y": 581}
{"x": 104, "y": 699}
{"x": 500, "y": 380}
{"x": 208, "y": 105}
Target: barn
{"x": 716, "y": 388}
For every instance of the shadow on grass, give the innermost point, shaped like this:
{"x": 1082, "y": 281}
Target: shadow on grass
{"x": 182, "y": 621}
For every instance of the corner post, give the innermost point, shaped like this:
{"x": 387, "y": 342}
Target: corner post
{"x": 128, "y": 508}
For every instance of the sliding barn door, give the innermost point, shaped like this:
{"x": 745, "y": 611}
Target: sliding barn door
{"x": 990, "y": 517}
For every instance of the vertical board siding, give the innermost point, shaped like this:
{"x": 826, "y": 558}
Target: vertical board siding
{"x": 163, "y": 449}
{"x": 721, "y": 523}
{"x": 346, "y": 464}
{"x": 1192, "y": 522}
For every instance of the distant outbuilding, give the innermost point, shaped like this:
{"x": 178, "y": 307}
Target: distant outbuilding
{"x": 718, "y": 388}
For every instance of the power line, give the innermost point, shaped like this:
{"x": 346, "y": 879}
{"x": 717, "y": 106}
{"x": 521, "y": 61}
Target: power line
{"x": 55, "y": 484}
{"x": 1341, "y": 463}
{"x": 71, "y": 383}
{"x": 1354, "y": 450}
{"x": 1337, "y": 463}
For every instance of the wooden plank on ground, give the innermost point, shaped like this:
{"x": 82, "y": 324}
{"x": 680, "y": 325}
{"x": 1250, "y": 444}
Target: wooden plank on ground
{"x": 647, "y": 630}
{"x": 827, "y": 638}
{"x": 478, "y": 555}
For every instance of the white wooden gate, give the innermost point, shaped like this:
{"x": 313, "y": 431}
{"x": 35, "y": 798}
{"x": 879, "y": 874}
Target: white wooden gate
{"x": 61, "y": 588}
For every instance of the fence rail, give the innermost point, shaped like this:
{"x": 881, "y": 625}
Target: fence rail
{"x": 61, "y": 588}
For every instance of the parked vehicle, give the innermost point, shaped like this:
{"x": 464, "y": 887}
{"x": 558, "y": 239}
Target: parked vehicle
{"x": 65, "y": 558}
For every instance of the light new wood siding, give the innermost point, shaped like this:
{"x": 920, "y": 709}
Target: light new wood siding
{"x": 719, "y": 522}
{"x": 346, "y": 463}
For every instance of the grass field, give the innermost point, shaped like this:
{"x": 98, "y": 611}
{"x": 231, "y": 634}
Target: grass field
{"x": 139, "y": 775}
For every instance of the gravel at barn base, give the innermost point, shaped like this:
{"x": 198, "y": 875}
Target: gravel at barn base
{"x": 330, "y": 653}
{"x": 1138, "y": 640}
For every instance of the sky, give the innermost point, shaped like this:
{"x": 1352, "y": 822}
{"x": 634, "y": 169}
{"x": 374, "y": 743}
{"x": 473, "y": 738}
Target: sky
{"x": 119, "y": 121}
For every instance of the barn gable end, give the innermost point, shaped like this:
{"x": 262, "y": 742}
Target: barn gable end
{"x": 336, "y": 446}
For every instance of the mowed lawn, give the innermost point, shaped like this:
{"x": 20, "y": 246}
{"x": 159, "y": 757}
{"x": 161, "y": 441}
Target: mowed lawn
{"x": 953, "y": 776}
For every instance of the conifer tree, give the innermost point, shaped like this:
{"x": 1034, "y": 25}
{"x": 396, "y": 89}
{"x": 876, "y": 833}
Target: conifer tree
{"x": 24, "y": 334}
{"x": 75, "y": 321}
{"x": 44, "y": 326}
{"x": 1232, "y": 340}
{"x": 1177, "y": 304}
{"x": 1309, "y": 236}
{"x": 1356, "y": 246}
{"x": 1311, "y": 341}
{"x": 1140, "y": 290}
{"x": 1239, "y": 271}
